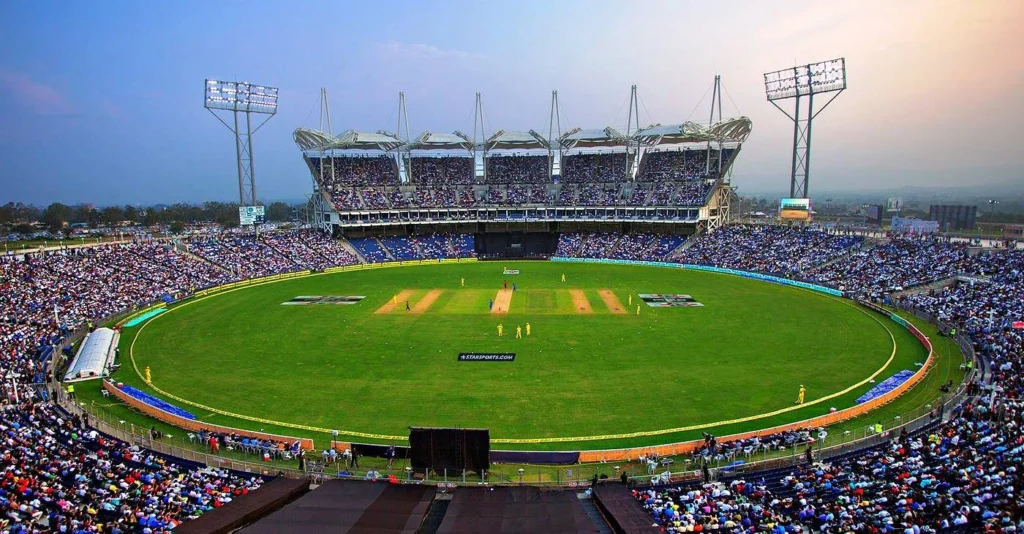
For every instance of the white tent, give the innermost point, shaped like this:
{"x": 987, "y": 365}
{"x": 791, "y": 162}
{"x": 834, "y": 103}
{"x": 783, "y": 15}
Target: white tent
{"x": 94, "y": 356}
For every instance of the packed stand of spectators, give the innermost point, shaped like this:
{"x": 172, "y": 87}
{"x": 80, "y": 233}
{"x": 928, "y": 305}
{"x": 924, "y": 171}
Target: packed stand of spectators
{"x": 676, "y": 165}
{"x": 895, "y": 265}
{"x": 516, "y": 195}
{"x": 691, "y": 194}
{"x": 310, "y": 249}
{"x": 444, "y": 170}
{"x": 517, "y": 170}
{"x": 245, "y": 256}
{"x": 638, "y": 194}
{"x": 429, "y": 247}
{"x": 597, "y": 195}
{"x": 594, "y": 168}
{"x": 960, "y": 476}
{"x": 374, "y": 198}
{"x": 985, "y": 309}
{"x": 639, "y": 247}
{"x": 345, "y": 198}
{"x": 86, "y": 283}
{"x": 776, "y": 250}
{"x": 963, "y": 475}
{"x": 358, "y": 171}
{"x": 395, "y": 197}
{"x": 61, "y": 475}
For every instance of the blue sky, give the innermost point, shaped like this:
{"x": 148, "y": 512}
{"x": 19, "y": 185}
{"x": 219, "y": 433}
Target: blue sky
{"x": 101, "y": 101}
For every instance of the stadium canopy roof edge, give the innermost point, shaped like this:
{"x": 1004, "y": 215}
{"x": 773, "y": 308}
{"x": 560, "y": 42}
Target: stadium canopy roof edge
{"x": 507, "y": 140}
{"x": 440, "y": 141}
{"x": 733, "y": 130}
{"x": 580, "y": 138}
{"x": 307, "y": 139}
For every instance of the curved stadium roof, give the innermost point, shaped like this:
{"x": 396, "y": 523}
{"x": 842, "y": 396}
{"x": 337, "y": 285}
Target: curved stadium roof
{"x": 308, "y": 139}
{"x": 506, "y": 140}
{"x": 440, "y": 141}
{"x": 579, "y": 138}
{"x": 734, "y": 130}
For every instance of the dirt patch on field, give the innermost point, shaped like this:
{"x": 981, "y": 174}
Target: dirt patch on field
{"x": 427, "y": 301}
{"x": 392, "y": 305}
{"x": 611, "y": 301}
{"x": 502, "y": 301}
{"x": 580, "y": 302}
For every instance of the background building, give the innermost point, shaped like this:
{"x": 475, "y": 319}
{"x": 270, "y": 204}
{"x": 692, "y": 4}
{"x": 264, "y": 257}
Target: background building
{"x": 953, "y": 216}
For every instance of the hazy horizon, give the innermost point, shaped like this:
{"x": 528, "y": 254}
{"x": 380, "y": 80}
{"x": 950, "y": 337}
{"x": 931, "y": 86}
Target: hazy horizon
{"x": 102, "y": 101}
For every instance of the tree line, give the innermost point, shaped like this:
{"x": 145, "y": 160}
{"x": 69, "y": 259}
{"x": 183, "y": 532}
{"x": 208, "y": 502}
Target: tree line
{"x": 25, "y": 218}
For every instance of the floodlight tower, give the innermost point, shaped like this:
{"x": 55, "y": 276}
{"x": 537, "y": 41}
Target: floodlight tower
{"x": 802, "y": 83}
{"x": 242, "y": 98}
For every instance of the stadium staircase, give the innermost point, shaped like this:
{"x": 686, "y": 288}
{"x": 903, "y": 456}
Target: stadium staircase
{"x": 352, "y": 250}
{"x": 678, "y": 251}
{"x": 594, "y": 515}
{"x": 385, "y": 249}
{"x": 925, "y": 288}
{"x": 868, "y": 244}
{"x": 435, "y": 515}
{"x": 183, "y": 249}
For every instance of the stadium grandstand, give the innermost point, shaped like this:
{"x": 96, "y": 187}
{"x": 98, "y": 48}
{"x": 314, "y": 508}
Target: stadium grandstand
{"x": 955, "y": 470}
{"x": 672, "y": 176}
{"x": 657, "y": 197}
{"x": 507, "y": 328}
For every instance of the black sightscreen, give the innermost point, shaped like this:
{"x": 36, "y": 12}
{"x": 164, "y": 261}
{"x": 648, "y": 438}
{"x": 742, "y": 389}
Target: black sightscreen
{"x": 454, "y": 449}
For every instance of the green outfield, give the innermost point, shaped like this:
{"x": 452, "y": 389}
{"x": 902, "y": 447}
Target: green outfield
{"x": 590, "y": 367}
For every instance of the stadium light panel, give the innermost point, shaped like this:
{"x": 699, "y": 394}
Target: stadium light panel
{"x": 241, "y": 96}
{"x": 821, "y": 77}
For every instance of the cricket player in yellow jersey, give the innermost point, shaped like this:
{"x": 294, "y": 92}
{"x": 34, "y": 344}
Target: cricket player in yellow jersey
{"x": 501, "y": 330}
{"x": 527, "y": 328}
{"x": 519, "y": 332}
{"x": 801, "y": 394}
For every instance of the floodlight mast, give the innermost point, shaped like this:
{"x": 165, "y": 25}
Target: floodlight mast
{"x": 247, "y": 98}
{"x": 797, "y": 83}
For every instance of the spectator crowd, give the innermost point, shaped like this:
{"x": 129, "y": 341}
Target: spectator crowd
{"x": 959, "y": 474}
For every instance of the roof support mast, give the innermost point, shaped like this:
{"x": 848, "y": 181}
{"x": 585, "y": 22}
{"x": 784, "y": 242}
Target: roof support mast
{"x": 478, "y": 121}
{"x": 634, "y": 116}
{"x": 554, "y": 134}
{"x": 325, "y": 117}
{"x": 713, "y": 160}
{"x": 315, "y": 206}
{"x": 404, "y": 164}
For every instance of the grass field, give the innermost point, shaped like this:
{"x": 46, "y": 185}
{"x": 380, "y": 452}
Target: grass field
{"x": 745, "y": 352}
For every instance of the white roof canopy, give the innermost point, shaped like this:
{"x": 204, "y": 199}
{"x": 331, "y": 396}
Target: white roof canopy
{"x": 307, "y": 139}
{"x": 733, "y": 130}
{"x": 579, "y": 138}
{"x": 507, "y": 140}
{"x": 95, "y": 354}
